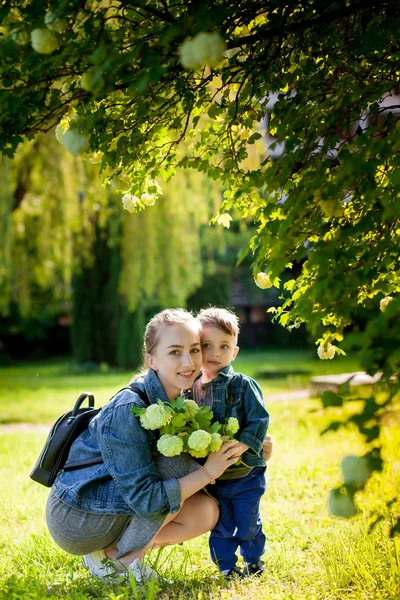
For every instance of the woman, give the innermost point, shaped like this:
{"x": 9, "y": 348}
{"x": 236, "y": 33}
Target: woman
{"x": 119, "y": 509}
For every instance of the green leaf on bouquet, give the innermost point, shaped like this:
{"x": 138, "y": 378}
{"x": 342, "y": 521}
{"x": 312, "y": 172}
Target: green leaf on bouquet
{"x": 137, "y": 411}
{"x": 215, "y": 427}
{"x": 178, "y": 404}
{"x": 178, "y": 420}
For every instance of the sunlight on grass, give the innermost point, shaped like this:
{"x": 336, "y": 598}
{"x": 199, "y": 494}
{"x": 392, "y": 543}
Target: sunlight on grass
{"x": 310, "y": 555}
{"x": 39, "y": 393}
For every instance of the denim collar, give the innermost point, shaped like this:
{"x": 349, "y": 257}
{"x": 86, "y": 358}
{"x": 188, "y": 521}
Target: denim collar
{"x": 153, "y": 387}
{"x": 225, "y": 374}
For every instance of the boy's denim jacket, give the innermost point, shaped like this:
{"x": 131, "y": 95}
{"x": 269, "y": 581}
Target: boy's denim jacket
{"x": 127, "y": 482}
{"x": 236, "y": 395}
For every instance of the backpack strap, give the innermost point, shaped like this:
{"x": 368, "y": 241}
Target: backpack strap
{"x": 85, "y": 462}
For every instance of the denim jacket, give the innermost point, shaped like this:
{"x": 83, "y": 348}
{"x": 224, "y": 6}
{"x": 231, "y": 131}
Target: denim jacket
{"x": 127, "y": 482}
{"x": 236, "y": 395}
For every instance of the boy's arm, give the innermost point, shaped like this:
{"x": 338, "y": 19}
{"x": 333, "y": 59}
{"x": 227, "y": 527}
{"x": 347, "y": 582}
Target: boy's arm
{"x": 257, "y": 418}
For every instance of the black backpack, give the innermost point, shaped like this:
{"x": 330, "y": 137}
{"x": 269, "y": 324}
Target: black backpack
{"x": 65, "y": 430}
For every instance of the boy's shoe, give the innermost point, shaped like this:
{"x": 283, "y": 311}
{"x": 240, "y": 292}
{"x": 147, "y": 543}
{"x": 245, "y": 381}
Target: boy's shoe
{"x": 141, "y": 572}
{"x": 234, "y": 572}
{"x": 99, "y": 565}
{"x": 255, "y": 568}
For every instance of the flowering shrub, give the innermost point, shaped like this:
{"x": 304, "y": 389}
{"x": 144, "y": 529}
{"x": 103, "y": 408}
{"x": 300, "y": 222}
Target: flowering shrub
{"x": 263, "y": 281}
{"x": 204, "y": 49}
{"x": 44, "y": 41}
{"x": 326, "y": 351}
{"x": 383, "y": 304}
{"x": 75, "y": 141}
{"x": 186, "y": 427}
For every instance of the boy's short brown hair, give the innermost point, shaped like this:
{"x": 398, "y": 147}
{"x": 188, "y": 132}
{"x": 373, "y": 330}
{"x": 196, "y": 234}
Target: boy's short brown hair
{"x": 220, "y": 317}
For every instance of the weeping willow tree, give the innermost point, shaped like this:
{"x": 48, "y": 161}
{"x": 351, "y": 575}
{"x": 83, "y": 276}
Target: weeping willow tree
{"x": 65, "y": 238}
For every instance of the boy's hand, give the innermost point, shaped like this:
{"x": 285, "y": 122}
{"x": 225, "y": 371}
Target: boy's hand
{"x": 268, "y": 447}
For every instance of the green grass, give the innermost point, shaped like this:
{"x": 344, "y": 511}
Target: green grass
{"x": 310, "y": 555}
{"x": 39, "y": 393}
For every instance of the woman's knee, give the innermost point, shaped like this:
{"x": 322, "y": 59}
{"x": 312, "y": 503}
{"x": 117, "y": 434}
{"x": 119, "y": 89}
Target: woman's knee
{"x": 208, "y": 513}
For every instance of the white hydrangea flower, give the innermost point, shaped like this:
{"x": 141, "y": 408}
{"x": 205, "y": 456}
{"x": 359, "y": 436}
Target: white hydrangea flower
{"x": 75, "y": 142}
{"x": 355, "y": 470}
{"x": 170, "y": 445}
{"x": 263, "y": 281}
{"x": 129, "y": 202}
{"x": 326, "y": 351}
{"x": 383, "y": 304}
{"x": 54, "y": 23}
{"x": 216, "y": 442}
{"x": 148, "y": 199}
{"x": 155, "y": 417}
{"x": 199, "y": 440}
{"x": 198, "y": 453}
{"x": 204, "y": 49}
{"x": 232, "y": 426}
{"x": 191, "y": 408}
{"x": 43, "y": 41}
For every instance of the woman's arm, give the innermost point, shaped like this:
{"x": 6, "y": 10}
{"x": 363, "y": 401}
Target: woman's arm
{"x": 215, "y": 465}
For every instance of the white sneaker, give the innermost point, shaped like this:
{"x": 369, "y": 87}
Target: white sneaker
{"x": 97, "y": 565}
{"x": 141, "y": 572}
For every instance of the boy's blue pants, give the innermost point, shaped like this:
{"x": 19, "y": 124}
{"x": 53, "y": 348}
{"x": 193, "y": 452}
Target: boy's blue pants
{"x": 239, "y": 522}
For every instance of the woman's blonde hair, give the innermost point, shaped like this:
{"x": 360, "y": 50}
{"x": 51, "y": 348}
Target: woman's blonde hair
{"x": 169, "y": 316}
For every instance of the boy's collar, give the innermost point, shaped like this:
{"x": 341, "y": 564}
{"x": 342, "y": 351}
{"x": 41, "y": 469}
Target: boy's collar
{"x": 225, "y": 373}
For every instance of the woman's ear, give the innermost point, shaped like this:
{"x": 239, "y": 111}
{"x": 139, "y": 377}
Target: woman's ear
{"x": 150, "y": 363}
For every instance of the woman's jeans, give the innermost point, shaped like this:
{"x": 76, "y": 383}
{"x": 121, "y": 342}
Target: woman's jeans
{"x": 239, "y": 524}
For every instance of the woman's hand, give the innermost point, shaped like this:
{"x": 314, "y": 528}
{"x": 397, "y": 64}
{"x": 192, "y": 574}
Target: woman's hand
{"x": 218, "y": 462}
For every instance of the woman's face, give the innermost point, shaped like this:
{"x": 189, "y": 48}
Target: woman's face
{"x": 177, "y": 357}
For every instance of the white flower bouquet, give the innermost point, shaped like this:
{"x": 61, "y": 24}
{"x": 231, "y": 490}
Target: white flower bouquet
{"x": 186, "y": 427}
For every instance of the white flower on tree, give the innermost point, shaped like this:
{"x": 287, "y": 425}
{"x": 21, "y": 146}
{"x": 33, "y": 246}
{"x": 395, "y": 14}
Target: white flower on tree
{"x": 263, "y": 281}
{"x": 326, "y": 351}
{"x": 53, "y": 23}
{"x": 74, "y": 141}
{"x": 20, "y": 37}
{"x": 204, "y": 49}
{"x": 44, "y": 41}
{"x": 148, "y": 199}
{"x": 130, "y": 202}
{"x": 383, "y": 304}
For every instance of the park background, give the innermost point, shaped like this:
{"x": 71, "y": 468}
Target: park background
{"x": 71, "y": 327}
{"x": 305, "y": 187}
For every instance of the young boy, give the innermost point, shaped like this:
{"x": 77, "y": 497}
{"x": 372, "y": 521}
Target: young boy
{"x": 240, "y": 488}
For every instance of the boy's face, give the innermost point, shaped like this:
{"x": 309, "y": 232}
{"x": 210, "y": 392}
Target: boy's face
{"x": 219, "y": 350}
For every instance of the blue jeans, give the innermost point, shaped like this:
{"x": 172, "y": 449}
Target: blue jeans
{"x": 239, "y": 524}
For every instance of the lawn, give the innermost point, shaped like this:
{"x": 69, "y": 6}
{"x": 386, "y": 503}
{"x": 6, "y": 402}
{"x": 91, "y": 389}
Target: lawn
{"x": 310, "y": 555}
{"x": 40, "y": 392}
